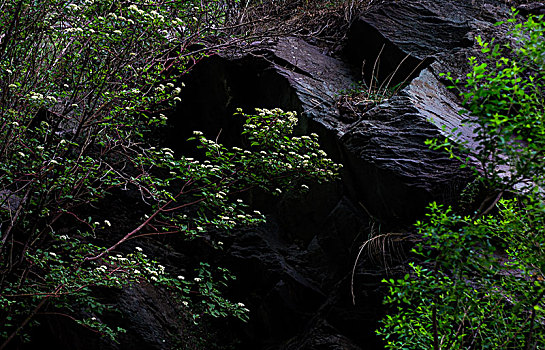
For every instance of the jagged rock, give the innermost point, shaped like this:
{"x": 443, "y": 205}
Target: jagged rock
{"x": 149, "y": 318}
{"x": 322, "y": 336}
{"x": 535, "y": 8}
{"x": 296, "y": 270}
{"x": 389, "y": 169}
{"x": 290, "y": 282}
{"x": 153, "y": 322}
{"x": 387, "y": 161}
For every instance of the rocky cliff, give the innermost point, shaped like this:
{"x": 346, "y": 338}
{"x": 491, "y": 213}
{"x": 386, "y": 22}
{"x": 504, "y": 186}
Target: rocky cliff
{"x": 295, "y": 273}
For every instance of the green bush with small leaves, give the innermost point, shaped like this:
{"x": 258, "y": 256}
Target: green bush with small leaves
{"x": 480, "y": 279}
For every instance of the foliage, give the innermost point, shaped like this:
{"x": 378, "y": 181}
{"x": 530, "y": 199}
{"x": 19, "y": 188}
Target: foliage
{"x": 505, "y": 99}
{"x": 467, "y": 295}
{"x": 81, "y": 85}
{"x": 480, "y": 282}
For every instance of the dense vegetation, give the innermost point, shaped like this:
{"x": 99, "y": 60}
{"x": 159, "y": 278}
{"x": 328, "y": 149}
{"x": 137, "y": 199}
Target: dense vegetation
{"x": 480, "y": 279}
{"x": 83, "y": 85}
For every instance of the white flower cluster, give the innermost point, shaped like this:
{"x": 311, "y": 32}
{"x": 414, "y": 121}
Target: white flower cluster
{"x": 242, "y": 306}
{"x": 101, "y": 269}
{"x": 156, "y": 15}
{"x": 74, "y": 30}
{"x": 210, "y": 143}
{"x": 228, "y": 220}
{"x": 119, "y": 258}
{"x": 168, "y": 152}
{"x": 36, "y": 95}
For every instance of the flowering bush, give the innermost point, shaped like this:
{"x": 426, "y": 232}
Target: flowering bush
{"x": 81, "y": 85}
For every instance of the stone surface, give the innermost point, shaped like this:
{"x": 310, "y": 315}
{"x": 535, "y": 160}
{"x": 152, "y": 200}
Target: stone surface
{"x": 534, "y": 8}
{"x": 296, "y": 270}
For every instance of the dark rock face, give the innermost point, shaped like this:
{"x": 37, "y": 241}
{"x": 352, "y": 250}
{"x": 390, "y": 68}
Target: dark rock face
{"x": 294, "y": 273}
{"x": 296, "y": 270}
{"x": 535, "y": 8}
{"x": 387, "y": 163}
{"x": 146, "y": 314}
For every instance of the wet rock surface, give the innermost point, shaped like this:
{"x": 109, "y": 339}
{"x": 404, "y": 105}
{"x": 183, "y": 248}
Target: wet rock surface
{"x": 294, "y": 273}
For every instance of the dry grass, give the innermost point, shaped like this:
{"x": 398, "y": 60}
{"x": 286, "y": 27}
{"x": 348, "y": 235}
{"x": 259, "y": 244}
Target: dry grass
{"x": 324, "y": 22}
{"x": 382, "y": 250}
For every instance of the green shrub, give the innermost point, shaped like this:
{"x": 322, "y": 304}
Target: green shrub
{"x": 480, "y": 282}
{"x": 81, "y": 85}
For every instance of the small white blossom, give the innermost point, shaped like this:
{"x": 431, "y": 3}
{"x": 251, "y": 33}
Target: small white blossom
{"x": 107, "y": 223}
{"x": 197, "y": 279}
{"x": 138, "y": 248}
